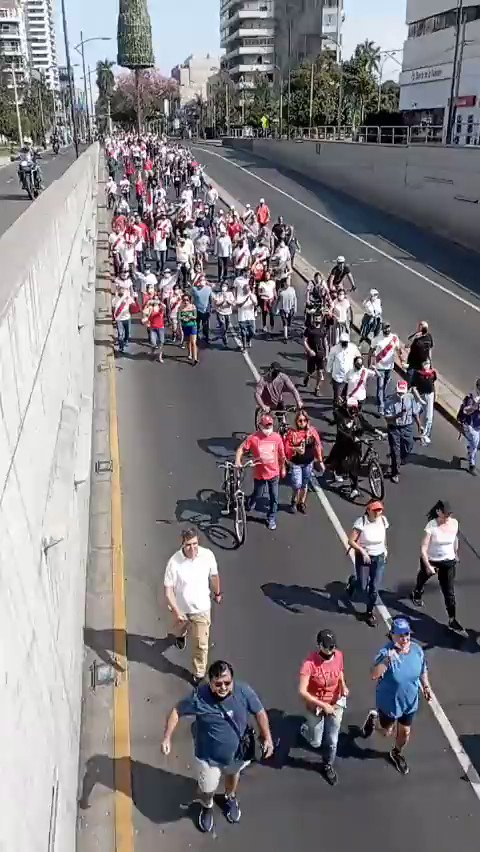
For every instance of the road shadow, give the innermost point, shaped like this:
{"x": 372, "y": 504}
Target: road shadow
{"x": 222, "y": 447}
{"x": 147, "y": 650}
{"x": 204, "y": 511}
{"x": 161, "y": 796}
{"x": 471, "y": 744}
{"x": 295, "y": 598}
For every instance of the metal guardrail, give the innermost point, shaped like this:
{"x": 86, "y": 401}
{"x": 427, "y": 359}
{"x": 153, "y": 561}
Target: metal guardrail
{"x": 365, "y": 134}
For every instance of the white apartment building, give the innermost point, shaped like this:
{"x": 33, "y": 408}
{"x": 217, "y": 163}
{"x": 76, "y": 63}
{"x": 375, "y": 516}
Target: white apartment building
{"x": 41, "y": 38}
{"x": 428, "y": 66}
{"x": 192, "y": 76}
{"x": 247, "y": 34}
{"x": 269, "y": 36}
{"x": 13, "y": 40}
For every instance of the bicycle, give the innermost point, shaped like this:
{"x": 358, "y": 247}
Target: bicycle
{"x": 235, "y": 496}
{"x": 279, "y": 414}
{"x": 371, "y": 461}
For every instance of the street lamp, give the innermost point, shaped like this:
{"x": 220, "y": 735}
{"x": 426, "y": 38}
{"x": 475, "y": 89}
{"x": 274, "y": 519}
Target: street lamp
{"x": 80, "y": 48}
{"x": 11, "y": 68}
{"x": 387, "y": 54}
{"x": 70, "y": 78}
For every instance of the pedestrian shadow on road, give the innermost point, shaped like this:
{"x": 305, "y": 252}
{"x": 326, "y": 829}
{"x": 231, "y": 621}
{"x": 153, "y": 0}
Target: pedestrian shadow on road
{"x": 147, "y": 650}
{"x": 471, "y": 744}
{"x": 426, "y": 629}
{"x": 222, "y": 447}
{"x": 161, "y": 796}
{"x": 295, "y": 598}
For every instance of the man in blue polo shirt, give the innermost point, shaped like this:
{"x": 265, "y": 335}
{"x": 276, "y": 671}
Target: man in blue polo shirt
{"x": 221, "y": 709}
{"x": 202, "y": 299}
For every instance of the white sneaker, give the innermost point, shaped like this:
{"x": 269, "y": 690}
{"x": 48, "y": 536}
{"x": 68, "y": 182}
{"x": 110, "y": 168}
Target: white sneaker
{"x": 338, "y": 478}
{"x": 425, "y": 440}
{"x": 354, "y": 493}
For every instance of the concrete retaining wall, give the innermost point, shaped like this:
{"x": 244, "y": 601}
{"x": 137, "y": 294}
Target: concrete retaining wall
{"x": 435, "y": 187}
{"x": 47, "y": 261}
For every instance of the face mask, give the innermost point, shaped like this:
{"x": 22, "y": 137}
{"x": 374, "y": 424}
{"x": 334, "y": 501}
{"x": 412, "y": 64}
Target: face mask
{"x": 327, "y": 655}
{"x": 224, "y": 288}
{"x": 358, "y": 365}
{"x": 344, "y": 344}
{"x": 266, "y": 430}
{"x": 340, "y": 297}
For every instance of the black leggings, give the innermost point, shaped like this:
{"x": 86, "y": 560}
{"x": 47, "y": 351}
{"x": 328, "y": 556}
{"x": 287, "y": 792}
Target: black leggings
{"x": 446, "y": 578}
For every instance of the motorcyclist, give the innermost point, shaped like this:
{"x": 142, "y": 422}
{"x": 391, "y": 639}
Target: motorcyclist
{"x": 28, "y": 153}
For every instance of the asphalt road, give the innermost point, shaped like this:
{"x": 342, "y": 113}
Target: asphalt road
{"x": 406, "y": 297}
{"x": 175, "y": 423}
{"x": 13, "y": 199}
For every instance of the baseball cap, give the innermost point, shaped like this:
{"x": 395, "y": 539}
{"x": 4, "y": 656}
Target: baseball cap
{"x": 340, "y": 258}
{"x": 327, "y": 639}
{"x": 375, "y": 506}
{"x": 373, "y": 292}
{"x": 344, "y": 337}
{"x": 402, "y": 386}
{"x": 400, "y": 627}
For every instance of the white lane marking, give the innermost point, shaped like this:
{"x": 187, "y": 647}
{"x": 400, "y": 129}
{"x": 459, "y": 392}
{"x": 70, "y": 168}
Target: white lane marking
{"x": 350, "y": 234}
{"x": 449, "y": 732}
{"x": 10, "y": 180}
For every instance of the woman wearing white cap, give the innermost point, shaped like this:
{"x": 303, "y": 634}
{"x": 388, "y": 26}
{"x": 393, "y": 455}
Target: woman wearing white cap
{"x": 372, "y": 318}
{"x": 342, "y": 315}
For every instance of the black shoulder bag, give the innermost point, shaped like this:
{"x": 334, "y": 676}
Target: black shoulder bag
{"x": 247, "y": 742}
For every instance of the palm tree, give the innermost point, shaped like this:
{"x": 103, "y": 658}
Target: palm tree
{"x": 368, "y": 55}
{"x": 106, "y": 86}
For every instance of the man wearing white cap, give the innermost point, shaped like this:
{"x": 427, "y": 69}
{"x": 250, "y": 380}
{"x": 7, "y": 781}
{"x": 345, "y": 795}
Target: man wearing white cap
{"x": 340, "y": 363}
{"x": 372, "y": 318}
{"x": 340, "y": 271}
{"x": 401, "y": 409}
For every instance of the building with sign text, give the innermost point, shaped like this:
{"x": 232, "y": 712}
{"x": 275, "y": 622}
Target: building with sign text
{"x": 440, "y": 47}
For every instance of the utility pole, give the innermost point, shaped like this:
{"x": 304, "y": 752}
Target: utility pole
{"x": 70, "y": 78}
{"x": 40, "y": 100}
{"x": 17, "y": 106}
{"x": 227, "y": 108}
{"x": 82, "y": 45}
{"x": 91, "y": 97}
{"x": 456, "y": 71}
{"x": 310, "y": 114}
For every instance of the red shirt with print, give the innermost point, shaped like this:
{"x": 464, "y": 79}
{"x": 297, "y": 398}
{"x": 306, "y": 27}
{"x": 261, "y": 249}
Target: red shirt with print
{"x": 325, "y": 682}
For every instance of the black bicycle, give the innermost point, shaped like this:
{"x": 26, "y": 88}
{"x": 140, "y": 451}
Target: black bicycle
{"x": 235, "y": 496}
{"x": 280, "y": 415}
{"x": 371, "y": 461}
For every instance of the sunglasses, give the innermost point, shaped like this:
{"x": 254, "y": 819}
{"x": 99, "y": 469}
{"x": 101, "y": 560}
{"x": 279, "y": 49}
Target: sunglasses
{"x": 218, "y": 684}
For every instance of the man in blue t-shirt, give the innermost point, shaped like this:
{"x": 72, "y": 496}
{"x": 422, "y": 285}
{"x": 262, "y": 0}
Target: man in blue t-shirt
{"x": 221, "y": 709}
{"x": 400, "y": 671}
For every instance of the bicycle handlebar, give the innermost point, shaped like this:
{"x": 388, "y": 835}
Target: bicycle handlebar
{"x": 248, "y": 463}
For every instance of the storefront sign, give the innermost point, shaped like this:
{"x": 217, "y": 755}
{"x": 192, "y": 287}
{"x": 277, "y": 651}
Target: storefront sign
{"x": 426, "y": 75}
{"x": 466, "y": 101}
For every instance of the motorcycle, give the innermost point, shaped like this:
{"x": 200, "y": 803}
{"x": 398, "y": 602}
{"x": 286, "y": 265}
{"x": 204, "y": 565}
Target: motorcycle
{"x": 56, "y": 146}
{"x": 29, "y": 177}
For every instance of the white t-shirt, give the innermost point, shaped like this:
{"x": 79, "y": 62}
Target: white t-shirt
{"x": 266, "y": 290}
{"x": 373, "y": 534}
{"x": 189, "y": 579}
{"x": 224, "y": 303}
{"x": 341, "y": 310}
{"x": 246, "y": 308}
{"x": 442, "y": 540}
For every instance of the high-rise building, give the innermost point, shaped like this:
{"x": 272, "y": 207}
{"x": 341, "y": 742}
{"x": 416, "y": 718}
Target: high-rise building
{"x": 41, "y": 39}
{"x": 192, "y": 76}
{"x": 269, "y": 36}
{"x": 13, "y": 41}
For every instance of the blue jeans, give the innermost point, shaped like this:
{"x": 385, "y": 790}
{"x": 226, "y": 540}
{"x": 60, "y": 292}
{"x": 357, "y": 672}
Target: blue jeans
{"x": 301, "y": 475}
{"x": 123, "y": 329}
{"x": 400, "y": 441}
{"x": 383, "y": 379}
{"x": 247, "y": 330}
{"x": 472, "y": 437}
{"x": 322, "y": 732}
{"x": 368, "y": 577}
{"x": 157, "y": 337}
{"x": 259, "y": 486}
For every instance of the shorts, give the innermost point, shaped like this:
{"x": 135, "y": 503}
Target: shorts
{"x": 385, "y": 721}
{"x": 315, "y": 362}
{"x": 209, "y": 777}
{"x": 301, "y": 475}
{"x": 189, "y": 331}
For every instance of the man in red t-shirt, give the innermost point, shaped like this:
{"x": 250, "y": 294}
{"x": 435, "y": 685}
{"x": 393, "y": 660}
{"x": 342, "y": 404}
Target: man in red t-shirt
{"x": 262, "y": 213}
{"x": 324, "y": 691}
{"x": 266, "y": 447}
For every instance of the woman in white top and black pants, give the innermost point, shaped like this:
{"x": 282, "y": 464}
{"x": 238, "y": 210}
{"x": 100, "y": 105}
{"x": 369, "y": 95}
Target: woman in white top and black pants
{"x": 369, "y": 541}
{"x": 439, "y": 555}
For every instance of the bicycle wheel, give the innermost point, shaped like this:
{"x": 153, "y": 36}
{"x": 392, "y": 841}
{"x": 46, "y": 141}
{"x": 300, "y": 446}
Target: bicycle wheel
{"x": 240, "y": 519}
{"x": 258, "y": 414}
{"x": 375, "y": 479}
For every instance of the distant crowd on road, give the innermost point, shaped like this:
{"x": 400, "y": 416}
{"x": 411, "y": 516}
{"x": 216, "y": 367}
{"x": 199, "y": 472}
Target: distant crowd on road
{"x": 168, "y": 225}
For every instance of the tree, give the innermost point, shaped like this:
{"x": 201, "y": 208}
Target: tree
{"x": 262, "y": 103}
{"x": 368, "y": 55}
{"x": 154, "y": 88}
{"x": 135, "y": 49}
{"x": 106, "y": 86}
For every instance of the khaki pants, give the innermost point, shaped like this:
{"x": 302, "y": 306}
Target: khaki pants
{"x": 198, "y": 626}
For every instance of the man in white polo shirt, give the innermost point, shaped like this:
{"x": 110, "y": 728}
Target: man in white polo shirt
{"x": 190, "y": 576}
